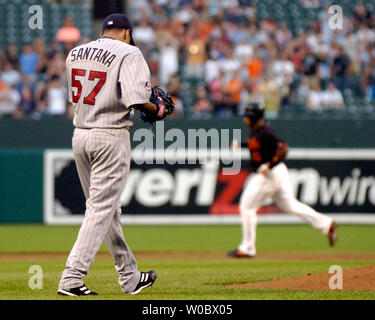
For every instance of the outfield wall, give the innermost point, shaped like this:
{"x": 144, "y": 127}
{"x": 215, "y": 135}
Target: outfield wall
{"x": 331, "y": 164}
{"x": 43, "y": 186}
{"x": 300, "y": 133}
{"x": 196, "y": 187}
{"x": 21, "y": 185}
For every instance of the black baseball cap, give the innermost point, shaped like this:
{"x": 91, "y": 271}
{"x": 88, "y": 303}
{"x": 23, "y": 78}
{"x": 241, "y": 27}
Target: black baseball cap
{"x": 118, "y": 20}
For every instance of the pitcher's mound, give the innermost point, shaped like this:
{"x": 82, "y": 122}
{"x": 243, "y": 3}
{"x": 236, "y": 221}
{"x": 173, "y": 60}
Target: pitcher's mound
{"x": 362, "y": 278}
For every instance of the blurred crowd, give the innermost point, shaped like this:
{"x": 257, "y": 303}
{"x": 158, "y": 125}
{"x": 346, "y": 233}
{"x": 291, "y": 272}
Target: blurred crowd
{"x": 33, "y": 81}
{"x": 220, "y": 53}
{"x": 214, "y": 57}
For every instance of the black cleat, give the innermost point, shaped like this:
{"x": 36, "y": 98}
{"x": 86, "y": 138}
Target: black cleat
{"x": 332, "y": 234}
{"x": 78, "y": 291}
{"x": 239, "y": 254}
{"x": 147, "y": 280}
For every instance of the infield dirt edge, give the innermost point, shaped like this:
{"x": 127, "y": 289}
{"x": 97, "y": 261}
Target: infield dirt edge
{"x": 361, "y": 279}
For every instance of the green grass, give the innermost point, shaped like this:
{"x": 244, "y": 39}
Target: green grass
{"x": 184, "y": 279}
{"x": 270, "y": 238}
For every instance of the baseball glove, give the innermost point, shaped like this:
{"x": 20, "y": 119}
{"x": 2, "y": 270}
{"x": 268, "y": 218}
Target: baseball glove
{"x": 163, "y": 102}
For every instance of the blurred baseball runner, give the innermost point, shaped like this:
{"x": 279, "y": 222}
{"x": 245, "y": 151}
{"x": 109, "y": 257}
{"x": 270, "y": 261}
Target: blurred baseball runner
{"x": 107, "y": 78}
{"x": 269, "y": 178}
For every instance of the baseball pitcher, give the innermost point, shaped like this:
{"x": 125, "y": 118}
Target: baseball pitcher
{"x": 107, "y": 78}
{"x": 270, "y": 179}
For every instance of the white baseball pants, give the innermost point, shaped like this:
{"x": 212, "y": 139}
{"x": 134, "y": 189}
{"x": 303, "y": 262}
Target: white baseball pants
{"x": 103, "y": 161}
{"x": 276, "y": 185}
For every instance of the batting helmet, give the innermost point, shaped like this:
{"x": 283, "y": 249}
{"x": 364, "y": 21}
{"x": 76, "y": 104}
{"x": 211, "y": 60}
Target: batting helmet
{"x": 254, "y": 111}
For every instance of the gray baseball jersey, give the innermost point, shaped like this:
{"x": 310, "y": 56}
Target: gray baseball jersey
{"x": 106, "y": 77}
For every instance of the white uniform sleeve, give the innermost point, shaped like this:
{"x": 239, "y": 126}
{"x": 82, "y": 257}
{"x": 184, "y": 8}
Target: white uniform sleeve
{"x": 134, "y": 78}
{"x": 68, "y": 78}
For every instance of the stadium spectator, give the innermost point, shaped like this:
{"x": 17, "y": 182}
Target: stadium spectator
{"x": 195, "y": 50}
{"x": 28, "y": 61}
{"x": 10, "y": 76}
{"x": 250, "y": 93}
{"x": 143, "y": 32}
{"x": 243, "y": 51}
{"x": 174, "y": 86}
{"x": 257, "y": 37}
{"x": 168, "y": 60}
{"x": 41, "y": 99}
{"x": 368, "y": 82}
{"x": 56, "y": 97}
{"x": 179, "y": 108}
{"x": 3, "y": 60}
{"x": 212, "y": 67}
{"x": 283, "y": 70}
{"x": 309, "y": 66}
{"x": 57, "y": 66}
{"x": 233, "y": 89}
{"x": 11, "y": 55}
{"x": 215, "y": 88}
{"x": 27, "y": 104}
{"x": 361, "y": 15}
{"x": 141, "y": 9}
{"x": 255, "y": 66}
{"x": 229, "y": 65}
{"x": 202, "y": 108}
{"x": 9, "y": 100}
{"x": 53, "y": 49}
{"x": 283, "y": 36}
{"x": 341, "y": 69}
{"x": 25, "y": 82}
{"x": 365, "y": 34}
{"x": 186, "y": 14}
{"x": 204, "y": 25}
{"x": 324, "y": 73}
{"x": 324, "y": 17}
{"x": 43, "y": 62}
{"x": 332, "y": 98}
{"x": 302, "y": 92}
{"x": 269, "y": 89}
{"x": 68, "y": 34}
{"x": 314, "y": 98}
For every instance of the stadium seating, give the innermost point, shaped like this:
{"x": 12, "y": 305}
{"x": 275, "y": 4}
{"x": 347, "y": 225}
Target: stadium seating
{"x": 14, "y": 28}
{"x": 14, "y": 20}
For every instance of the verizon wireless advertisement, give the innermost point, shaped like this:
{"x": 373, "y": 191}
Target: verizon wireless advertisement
{"x": 340, "y": 182}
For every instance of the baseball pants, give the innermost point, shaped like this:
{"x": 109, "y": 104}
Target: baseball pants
{"x": 276, "y": 185}
{"x": 102, "y": 158}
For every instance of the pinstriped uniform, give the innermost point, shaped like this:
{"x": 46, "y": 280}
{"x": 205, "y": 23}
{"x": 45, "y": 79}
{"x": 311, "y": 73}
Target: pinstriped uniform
{"x": 105, "y": 78}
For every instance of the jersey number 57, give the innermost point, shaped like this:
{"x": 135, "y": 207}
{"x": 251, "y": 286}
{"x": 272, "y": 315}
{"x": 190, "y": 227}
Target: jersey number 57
{"x": 93, "y": 75}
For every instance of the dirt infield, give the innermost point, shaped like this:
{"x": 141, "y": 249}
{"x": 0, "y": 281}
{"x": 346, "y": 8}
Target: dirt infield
{"x": 362, "y": 278}
{"x": 201, "y": 255}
